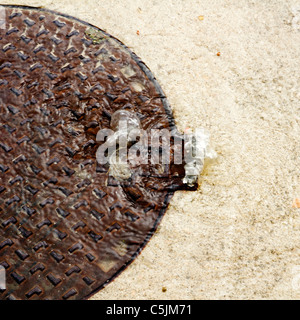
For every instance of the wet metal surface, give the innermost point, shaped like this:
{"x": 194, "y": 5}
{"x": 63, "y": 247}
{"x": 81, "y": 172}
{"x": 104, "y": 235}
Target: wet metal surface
{"x": 67, "y": 228}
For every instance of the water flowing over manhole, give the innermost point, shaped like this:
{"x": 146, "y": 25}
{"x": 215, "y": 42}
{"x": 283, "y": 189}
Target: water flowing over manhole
{"x": 68, "y": 226}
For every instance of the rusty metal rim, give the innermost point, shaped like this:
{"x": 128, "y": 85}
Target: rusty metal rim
{"x": 139, "y": 250}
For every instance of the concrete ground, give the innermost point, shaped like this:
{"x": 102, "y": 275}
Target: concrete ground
{"x": 231, "y": 66}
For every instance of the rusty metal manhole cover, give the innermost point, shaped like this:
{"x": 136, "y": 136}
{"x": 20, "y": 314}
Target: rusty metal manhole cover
{"x": 67, "y": 227}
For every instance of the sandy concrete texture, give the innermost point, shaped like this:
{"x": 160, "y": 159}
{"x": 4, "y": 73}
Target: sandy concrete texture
{"x": 238, "y": 236}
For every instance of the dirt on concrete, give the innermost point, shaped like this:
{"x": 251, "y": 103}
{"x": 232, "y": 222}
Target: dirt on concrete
{"x": 231, "y": 67}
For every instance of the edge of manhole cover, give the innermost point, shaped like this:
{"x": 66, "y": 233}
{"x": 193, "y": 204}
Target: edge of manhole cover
{"x": 170, "y": 180}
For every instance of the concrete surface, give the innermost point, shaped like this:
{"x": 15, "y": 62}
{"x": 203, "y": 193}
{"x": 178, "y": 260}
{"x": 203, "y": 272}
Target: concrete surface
{"x": 238, "y": 236}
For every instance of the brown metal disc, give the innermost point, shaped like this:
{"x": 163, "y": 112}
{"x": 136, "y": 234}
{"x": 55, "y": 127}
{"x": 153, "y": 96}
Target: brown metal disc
{"x": 67, "y": 227}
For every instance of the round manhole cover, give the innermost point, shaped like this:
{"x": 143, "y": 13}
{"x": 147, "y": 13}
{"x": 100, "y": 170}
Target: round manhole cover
{"x": 69, "y": 224}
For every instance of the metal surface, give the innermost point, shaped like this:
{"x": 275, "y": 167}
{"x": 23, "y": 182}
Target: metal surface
{"x": 67, "y": 228}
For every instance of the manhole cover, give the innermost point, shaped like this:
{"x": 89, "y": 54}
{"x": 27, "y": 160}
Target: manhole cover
{"x": 67, "y": 226}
